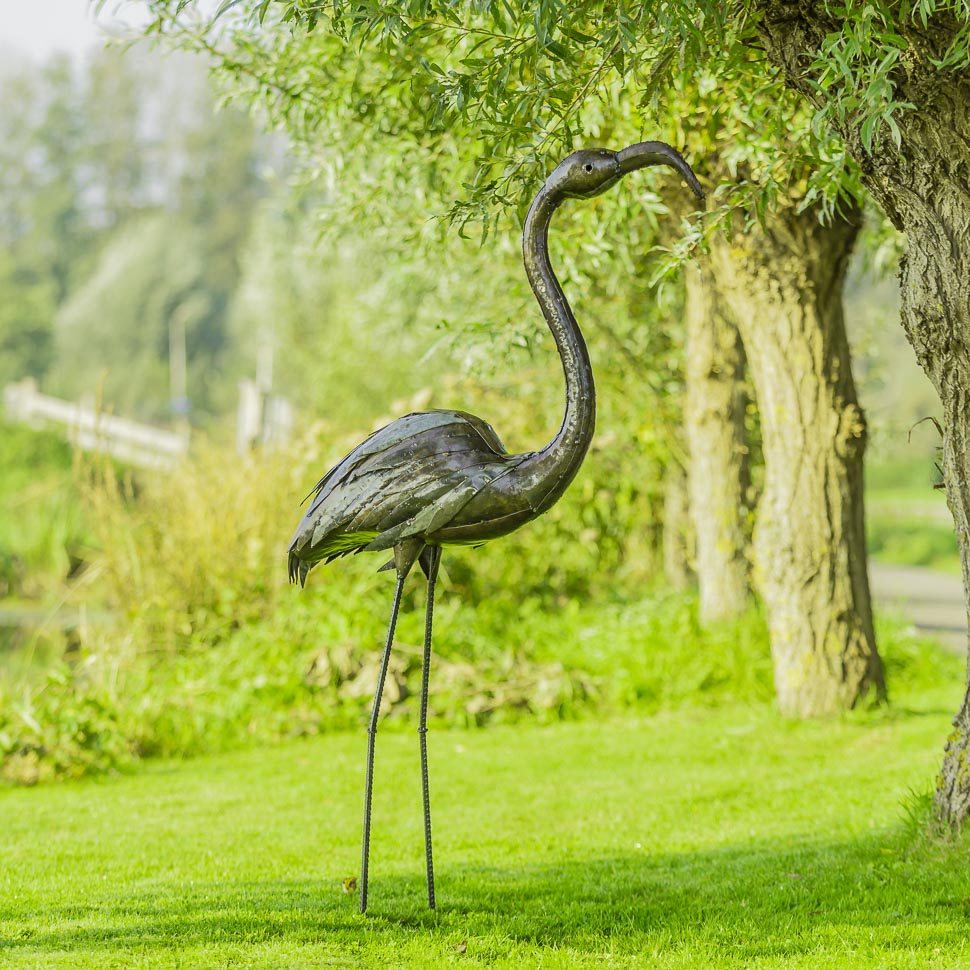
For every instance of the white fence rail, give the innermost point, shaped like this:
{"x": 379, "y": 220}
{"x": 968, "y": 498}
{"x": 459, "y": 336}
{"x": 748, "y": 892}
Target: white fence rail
{"x": 138, "y": 444}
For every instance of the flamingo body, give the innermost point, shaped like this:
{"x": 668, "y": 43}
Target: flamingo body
{"x": 443, "y": 477}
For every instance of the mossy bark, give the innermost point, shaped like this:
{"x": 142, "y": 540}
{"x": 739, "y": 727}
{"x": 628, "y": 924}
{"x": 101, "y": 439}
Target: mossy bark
{"x": 714, "y": 421}
{"x": 678, "y": 532}
{"x": 782, "y": 284}
{"x": 923, "y": 185}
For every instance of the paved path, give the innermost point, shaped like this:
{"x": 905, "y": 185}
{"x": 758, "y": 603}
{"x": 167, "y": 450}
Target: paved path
{"x": 932, "y": 601}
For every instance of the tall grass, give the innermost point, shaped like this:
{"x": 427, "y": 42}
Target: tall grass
{"x": 193, "y": 555}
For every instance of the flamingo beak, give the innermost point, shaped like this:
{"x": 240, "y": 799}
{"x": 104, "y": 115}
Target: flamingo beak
{"x": 647, "y": 153}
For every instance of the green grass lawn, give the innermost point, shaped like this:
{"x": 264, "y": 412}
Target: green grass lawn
{"x": 719, "y": 838}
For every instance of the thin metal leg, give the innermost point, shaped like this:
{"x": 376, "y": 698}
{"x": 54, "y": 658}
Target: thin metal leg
{"x": 371, "y": 733}
{"x": 429, "y": 562}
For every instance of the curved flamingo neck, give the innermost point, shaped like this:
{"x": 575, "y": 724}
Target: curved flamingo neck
{"x": 560, "y": 460}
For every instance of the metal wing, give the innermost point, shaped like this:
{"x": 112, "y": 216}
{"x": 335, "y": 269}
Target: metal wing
{"x": 408, "y": 478}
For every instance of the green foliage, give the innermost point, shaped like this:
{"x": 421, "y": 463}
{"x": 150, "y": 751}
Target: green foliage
{"x": 44, "y": 536}
{"x": 64, "y": 729}
{"x": 43, "y": 237}
{"x": 907, "y": 519}
{"x": 526, "y": 81}
{"x": 860, "y": 64}
{"x": 208, "y": 648}
{"x": 192, "y": 556}
{"x": 113, "y": 222}
{"x": 310, "y": 668}
{"x": 912, "y": 543}
{"x": 25, "y": 315}
{"x": 913, "y": 663}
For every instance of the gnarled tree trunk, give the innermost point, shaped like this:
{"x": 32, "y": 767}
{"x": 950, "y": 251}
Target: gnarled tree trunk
{"x": 924, "y": 188}
{"x": 718, "y": 475}
{"x": 782, "y": 284}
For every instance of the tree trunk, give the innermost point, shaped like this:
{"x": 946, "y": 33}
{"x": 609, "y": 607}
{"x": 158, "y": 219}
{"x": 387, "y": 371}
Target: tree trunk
{"x": 922, "y": 186}
{"x": 783, "y": 286}
{"x": 677, "y": 533}
{"x": 718, "y": 476}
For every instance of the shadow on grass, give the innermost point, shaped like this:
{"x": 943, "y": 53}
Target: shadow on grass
{"x": 753, "y": 901}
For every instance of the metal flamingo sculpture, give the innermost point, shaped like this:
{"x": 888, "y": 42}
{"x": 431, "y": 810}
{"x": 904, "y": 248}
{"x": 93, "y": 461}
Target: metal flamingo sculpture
{"x": 443, "y": 477}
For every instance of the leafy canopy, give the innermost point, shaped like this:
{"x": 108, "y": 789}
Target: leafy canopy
{"x": 517, "y": 78}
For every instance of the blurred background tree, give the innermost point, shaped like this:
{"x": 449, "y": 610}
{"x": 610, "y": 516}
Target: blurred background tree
{"x": 127, "y": 201}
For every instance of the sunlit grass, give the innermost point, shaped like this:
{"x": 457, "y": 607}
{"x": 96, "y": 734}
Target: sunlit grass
{"x": 726, "y": 838}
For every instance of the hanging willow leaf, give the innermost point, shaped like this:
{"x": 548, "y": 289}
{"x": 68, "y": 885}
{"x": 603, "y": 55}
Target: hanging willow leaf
{"x": 224, "y": 7}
